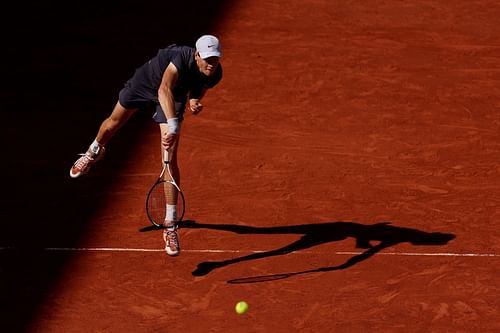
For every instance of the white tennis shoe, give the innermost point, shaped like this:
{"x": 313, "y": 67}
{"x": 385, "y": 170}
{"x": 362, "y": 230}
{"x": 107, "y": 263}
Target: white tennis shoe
{"x": 171, "y": 239}
{"x": 83, "y": 164}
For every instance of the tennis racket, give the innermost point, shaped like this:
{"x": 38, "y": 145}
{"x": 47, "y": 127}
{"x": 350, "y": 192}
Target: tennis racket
{"x": 163, "y": 192}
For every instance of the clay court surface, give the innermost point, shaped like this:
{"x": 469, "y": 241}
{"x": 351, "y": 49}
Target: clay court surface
{"x": 343, "y": 177}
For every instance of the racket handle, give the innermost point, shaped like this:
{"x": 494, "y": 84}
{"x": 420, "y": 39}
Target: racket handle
{"x": 165, "y": 156}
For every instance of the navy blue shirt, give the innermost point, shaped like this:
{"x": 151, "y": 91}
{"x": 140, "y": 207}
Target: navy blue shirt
{"x": 142, "y": 89}
{"x": 190, "y": 79}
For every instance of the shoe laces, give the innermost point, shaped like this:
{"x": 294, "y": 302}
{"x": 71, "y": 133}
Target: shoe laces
{"x": 83, "y": 161}
{"x": 171, "y": 238}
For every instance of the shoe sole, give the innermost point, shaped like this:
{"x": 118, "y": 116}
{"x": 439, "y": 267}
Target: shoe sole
{"x": 172, "y": 254}
{"x": 72, "y": 175}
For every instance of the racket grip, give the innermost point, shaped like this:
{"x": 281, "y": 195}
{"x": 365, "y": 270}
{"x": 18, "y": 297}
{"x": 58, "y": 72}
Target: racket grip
{"x": 165, "y": 156}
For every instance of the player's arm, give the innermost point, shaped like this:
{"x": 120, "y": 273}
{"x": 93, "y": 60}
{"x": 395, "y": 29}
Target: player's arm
{"x": 166, "y": 99}
{"x": 195, "y": 100}
{"x": 165, "y": 94}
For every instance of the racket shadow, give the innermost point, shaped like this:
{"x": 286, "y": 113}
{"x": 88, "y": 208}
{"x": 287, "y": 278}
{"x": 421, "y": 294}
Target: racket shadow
{"x": 384, "y": 234}
{"x": 155, "y": 228}
{"x": 150, "y": 228}
{"x": 273, "y": 277}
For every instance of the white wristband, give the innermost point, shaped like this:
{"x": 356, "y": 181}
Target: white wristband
{"x": 173, "y": 125}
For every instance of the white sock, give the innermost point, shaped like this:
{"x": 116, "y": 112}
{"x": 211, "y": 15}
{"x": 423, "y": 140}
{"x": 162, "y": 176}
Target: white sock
{"x": 95, "y": 147}
{"x": 171, "y": 213}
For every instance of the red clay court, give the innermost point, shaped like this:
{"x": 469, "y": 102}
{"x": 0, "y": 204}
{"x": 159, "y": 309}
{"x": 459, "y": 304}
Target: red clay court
{"x": 343, "y": 177}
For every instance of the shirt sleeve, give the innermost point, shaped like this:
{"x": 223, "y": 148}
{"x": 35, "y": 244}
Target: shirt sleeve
{"x": 178, "y": 63}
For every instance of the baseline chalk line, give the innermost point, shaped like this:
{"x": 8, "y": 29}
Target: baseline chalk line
{"x": 125, "y": 249}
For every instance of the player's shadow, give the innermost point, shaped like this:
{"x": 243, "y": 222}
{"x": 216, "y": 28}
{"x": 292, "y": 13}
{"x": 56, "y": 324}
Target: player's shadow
{"x": 383, "y": 234}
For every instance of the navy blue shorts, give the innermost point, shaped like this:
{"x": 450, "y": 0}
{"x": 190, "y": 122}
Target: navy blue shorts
{"x": 159, "y": 116}
{"x": 136, "y": 95}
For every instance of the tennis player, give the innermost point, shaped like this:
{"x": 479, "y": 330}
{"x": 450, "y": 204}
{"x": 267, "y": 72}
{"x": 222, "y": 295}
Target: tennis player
{"x": 177, "y": 76}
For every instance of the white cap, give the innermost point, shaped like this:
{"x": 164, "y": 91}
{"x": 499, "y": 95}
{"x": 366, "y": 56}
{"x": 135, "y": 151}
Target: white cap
{"x": 208, "y": 46}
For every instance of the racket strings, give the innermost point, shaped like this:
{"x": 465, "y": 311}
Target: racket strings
{"x": 156, "y": 205}
{"x": 171, "y": 193}
{"x": 165, "y": 200}
{"x": 162, "y": 194}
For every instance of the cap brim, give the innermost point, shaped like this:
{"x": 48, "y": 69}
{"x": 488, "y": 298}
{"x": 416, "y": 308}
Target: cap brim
{"x": 205, "y": 55}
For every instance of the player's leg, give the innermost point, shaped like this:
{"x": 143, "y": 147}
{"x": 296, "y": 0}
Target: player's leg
{"x": 171, "y": 193}
{"x": 96, "y": 150}
{"x": 113, "y": 123}
{"x": 170, "y": 236}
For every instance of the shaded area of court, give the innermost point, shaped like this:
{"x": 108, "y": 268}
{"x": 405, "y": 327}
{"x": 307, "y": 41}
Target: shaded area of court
{"x": 64, "y": 65}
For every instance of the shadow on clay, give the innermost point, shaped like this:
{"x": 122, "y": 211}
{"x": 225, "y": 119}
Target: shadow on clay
{"x": 385, "y": 234}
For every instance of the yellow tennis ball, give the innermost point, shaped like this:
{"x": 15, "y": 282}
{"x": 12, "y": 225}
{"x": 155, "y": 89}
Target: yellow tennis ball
{"x": 241, "y": 307}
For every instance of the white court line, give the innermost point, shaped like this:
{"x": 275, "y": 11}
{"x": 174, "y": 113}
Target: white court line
{"x": 122, "y": 249}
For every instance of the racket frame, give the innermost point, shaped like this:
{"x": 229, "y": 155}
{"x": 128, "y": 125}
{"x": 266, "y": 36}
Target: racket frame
{"x": 160, "y": 182}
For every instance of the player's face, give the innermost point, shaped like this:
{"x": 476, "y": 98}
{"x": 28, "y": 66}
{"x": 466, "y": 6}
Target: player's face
{"x": 208, "y": 65}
